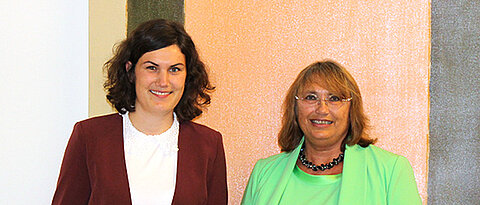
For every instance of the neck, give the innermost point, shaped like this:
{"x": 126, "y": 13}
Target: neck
{"x": 321, "y": 155}
{"x": 151, "y": 124}
{"x": 322, "y": 152}
{"x": 318, "y": 155}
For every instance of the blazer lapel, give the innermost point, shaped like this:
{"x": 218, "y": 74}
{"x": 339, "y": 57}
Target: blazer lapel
{"x": 184, "y": 164}
{"x": 354, "y": 177}
{"x": 285, "y": 176}
{"x": 119, "y": 162}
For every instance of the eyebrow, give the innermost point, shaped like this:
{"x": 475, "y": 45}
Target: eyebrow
{"x": 318, "y": 93}
{"x": 150, "y": 62}
{"x": 157, "y": 64}
{"x": 176, "y": 65}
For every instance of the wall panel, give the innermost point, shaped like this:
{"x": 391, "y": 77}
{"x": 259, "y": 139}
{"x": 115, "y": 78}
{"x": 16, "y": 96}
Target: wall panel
{"x": 140, "y": 11}
{"x": 254, "y": 50}
{"x": 454, "y": 164}
{"x": 107, "y": 27}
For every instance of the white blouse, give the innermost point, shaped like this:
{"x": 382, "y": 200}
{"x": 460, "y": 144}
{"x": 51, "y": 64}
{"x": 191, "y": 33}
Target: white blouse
{"x": 151, "y": 163}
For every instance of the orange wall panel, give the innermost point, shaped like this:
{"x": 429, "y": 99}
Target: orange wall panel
{"x": 255, "y": 49}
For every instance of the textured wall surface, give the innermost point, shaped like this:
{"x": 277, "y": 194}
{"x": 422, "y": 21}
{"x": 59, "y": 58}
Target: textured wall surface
{"x": 144, "y": 10}
{"x": 454, "y": 164}
{"x": 255, "y": 49}
{"x": 107, "y": 26}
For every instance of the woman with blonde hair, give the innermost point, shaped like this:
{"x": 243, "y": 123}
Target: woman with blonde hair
{"x": 327, "y": 156}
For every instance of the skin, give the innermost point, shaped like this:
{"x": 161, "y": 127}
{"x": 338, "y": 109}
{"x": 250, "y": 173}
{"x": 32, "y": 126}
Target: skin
{"x": 159, "y": 84}
{"x": 322, "y": 140}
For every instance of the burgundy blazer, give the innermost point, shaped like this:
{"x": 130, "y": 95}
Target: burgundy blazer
{"x": 94, "y": 172}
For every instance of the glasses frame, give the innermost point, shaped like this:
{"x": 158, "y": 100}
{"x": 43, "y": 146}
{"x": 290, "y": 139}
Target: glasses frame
{"x": 326, "y": 100}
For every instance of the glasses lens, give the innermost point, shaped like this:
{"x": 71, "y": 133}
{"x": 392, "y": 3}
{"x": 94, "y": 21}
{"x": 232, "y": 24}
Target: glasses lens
{"x": 332, "y": 101}
{"x": 310, "y": 99}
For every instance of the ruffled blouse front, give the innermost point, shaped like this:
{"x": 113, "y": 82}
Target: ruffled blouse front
{"x": 151, "y": 162}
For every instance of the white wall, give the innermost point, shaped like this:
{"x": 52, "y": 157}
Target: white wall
{"x": 43, "y": 91}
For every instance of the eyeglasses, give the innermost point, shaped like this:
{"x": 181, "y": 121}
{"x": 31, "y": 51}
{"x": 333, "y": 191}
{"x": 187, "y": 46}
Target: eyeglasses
{"x": 332, "y": 101}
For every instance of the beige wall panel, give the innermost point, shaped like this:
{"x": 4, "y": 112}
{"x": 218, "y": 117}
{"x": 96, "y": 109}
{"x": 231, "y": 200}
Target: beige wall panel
{"x": 255, "y": 49}
{"x": 107, "y": 26}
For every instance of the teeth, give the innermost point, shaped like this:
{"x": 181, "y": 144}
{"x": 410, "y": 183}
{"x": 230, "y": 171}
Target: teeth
{"x": 323, "y": 122}
{"x": 159, "y": 93}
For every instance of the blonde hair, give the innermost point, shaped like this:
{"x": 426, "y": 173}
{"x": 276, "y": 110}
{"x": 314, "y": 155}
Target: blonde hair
{"x": 337, "y": 80}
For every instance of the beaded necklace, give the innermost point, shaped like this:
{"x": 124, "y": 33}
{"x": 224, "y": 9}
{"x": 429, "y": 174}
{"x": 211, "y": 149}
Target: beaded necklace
{"x": 303, "y": 159}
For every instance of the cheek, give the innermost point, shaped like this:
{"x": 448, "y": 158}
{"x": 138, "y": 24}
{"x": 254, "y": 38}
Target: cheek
{"x": 139, "y": 84}
{"x": 139, "y": 78}
{"x": 344, "y": 115}
{"x": 302, "y": 116}
{"x": 180, "y": 83}
{"x": 183, "y": 81}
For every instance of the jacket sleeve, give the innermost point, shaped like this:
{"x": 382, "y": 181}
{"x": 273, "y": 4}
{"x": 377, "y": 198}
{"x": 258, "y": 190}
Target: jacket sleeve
{"x": 217, "y": 177}
{"x": 250, "y": 190}
{"x": 402, "y": 188}
{"x": 73, "y": 186}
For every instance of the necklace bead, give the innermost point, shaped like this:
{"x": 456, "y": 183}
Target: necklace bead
{"x": 303, "y": 159}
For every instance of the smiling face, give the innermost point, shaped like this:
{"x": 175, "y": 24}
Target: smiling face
{"x": 160, "y": 80}
{"x": 322, "y": 124}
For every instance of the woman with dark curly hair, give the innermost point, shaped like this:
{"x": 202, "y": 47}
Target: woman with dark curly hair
{"x": 327, "y": 156}
{"x": 150, "y": 152}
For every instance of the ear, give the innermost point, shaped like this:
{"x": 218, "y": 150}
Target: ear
{"x": 128, "y": 66}
{"x": 131, "y": 76}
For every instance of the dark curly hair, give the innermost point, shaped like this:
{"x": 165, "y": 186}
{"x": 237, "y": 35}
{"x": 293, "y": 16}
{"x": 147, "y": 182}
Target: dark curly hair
{"x": 150, "y": 36}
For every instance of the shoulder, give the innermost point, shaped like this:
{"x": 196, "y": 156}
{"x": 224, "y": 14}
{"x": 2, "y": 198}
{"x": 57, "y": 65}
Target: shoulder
{"x": 274, "y": 159}
{"x": 105, "y": 125}
{"x": 272, "y": 163}
{"x": 395, "y": 172}
{"x": 374, "y": 155}
{"x": 372, "y": 151}
{"x": 199, "y": 136}
{"x": 269, "y": 173}
{"x": 102, "y": 120}
{"x": 194, "y": 129}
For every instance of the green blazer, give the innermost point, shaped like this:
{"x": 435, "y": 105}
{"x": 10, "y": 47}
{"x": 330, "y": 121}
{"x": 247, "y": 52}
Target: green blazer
{"x": 370, "y": 175}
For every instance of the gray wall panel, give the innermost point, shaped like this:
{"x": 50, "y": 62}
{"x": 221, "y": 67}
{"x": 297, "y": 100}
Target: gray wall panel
{"x": 454, "y": 163}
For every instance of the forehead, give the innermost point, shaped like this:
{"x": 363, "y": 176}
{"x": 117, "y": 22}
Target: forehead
{"x": 314, "y": 81}
{"x": 320, "y": 84}
{"x": 313, "y": 88}
{"x": 166, "y": 54}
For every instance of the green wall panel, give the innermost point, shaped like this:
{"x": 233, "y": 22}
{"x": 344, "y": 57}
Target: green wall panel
{"x": 140, "y": 11}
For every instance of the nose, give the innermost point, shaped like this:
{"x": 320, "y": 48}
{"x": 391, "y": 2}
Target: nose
{"x": 162, "y": 78}
{"x": 321, "y": 107}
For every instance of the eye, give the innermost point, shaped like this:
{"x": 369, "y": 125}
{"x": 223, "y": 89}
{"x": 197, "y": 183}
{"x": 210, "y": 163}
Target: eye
{"x": 151, "y": 67}
{"x": 174, "y": 69}
{"x": 334, "y": 98}
{"x": 311, "y": 97}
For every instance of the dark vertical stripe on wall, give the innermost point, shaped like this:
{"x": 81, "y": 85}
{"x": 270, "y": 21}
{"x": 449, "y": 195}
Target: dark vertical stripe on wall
{"x": 454, "y": 163}
{"x": 140, "y": 11}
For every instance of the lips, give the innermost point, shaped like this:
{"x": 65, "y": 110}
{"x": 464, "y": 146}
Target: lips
{"x": 161, "y": 93}
{"x": 321, "y": 122}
